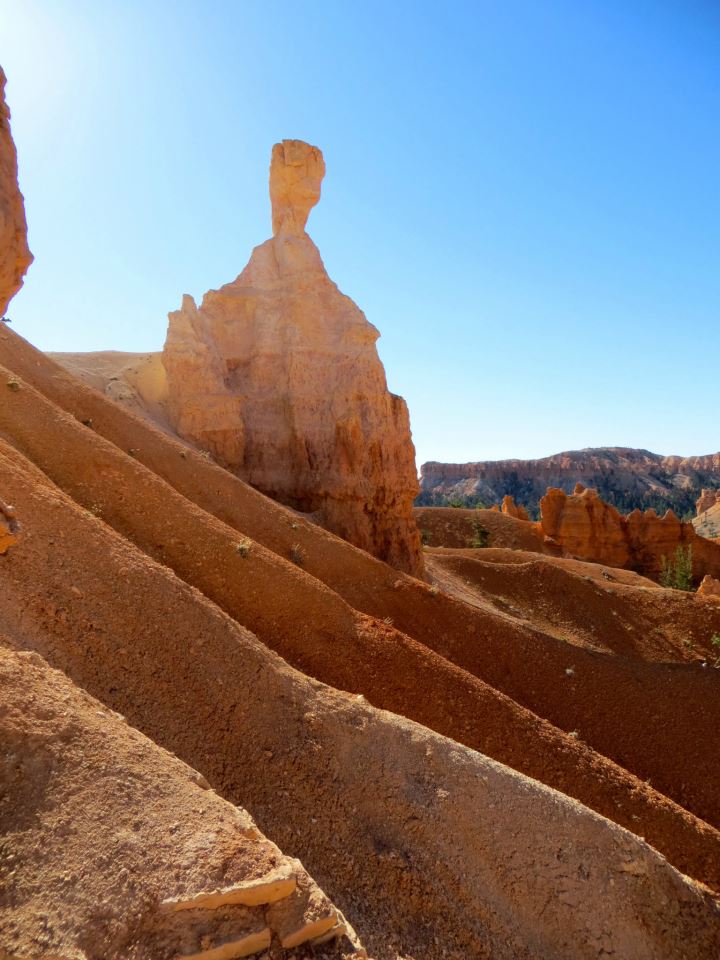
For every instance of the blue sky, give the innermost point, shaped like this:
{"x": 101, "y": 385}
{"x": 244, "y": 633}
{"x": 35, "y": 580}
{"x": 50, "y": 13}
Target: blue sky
{"x": 522, "y": 195}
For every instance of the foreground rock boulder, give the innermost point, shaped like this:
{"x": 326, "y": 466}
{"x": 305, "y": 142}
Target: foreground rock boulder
{"x": 15, "y": 256}
{"x": 277, "y": 376}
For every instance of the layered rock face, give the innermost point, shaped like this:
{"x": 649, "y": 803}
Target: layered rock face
{"x": 584, "y": 526}
{"x": 277, "y": 375}
{"x": 626, "y": 478}
{"x": 707, "y": 521}
{"x": 707, "y": 500}
{"x": 15, "y": 256}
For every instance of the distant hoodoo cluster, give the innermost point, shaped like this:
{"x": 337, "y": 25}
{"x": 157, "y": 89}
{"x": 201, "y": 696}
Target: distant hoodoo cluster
{"x": 277, "y": 376}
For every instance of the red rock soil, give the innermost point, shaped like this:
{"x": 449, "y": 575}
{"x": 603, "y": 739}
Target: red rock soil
{"x": 589, "y": 605}
{"x": 405, "y": 826}
{"x": 455, "y": 527}
{"x": 202, "y": 552}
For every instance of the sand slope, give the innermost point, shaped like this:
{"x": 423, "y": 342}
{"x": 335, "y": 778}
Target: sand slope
{"x": 511, "y": 656}
{"x": 113, "y": 848}
{"x": 309, "y": 625}
{"x": 433, "y": 849}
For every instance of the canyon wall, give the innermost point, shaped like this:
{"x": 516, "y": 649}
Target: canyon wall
{"x": 15, "y": 256}
{"x": 277, "y": 376}
{"x": 626, "y": 478}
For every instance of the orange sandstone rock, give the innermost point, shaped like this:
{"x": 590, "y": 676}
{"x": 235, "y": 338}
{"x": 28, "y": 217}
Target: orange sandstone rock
{"x": 710, "y": 587}
{"x": 296, "y": 172}
{"x": 584, "y": 526}
{"x": 512, "y": 509}
{"x": 277, "y": 375}
{"x": 8, "y": 528}
{"x": 707, "y": 521}
{"x": 707, "y": 500}
{"x": 15, "y": 257}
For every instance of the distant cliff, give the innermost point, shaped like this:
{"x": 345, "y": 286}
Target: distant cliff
{"x": 626, "y": 478}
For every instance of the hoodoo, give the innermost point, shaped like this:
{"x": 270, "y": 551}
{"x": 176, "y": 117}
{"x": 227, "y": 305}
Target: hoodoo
{"x": 277, "y": 376}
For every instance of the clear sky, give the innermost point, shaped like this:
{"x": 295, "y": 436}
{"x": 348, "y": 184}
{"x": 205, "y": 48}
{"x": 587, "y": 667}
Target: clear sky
{"x": 522, "y": 195}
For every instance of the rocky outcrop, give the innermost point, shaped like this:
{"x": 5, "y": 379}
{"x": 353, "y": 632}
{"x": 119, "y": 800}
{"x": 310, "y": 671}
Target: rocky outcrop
{"x": 15, "y": 256}
{"x": 8, "y": 528}
{"x": 710, "y": 587}
{"x": 707, "y": 521}
{"x": 707, "y": 499}
{"x": 277, "y": 376}
{"x": 511, "y": 509}
{"x": 584, "y": 526}
{"x": 626, "y": 478}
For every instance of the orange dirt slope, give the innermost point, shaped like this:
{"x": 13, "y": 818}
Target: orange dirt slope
{"x": 510, "y": 657}
{"x": 513, "y": 657}
{"x": 404, "y": 826}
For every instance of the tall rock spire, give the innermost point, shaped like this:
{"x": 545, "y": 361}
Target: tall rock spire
{"x": 277, "y": 375}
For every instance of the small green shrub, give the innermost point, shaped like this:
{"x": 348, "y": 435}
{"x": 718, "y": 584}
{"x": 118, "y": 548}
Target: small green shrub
{"x": 456, "y": 503}
{"x": 243, "y": 547}
{"x": 425, "y": 537}
{"x": 298, "y": 554}
{"x": 481, "y": 536}
{"x": 677, "y": 573}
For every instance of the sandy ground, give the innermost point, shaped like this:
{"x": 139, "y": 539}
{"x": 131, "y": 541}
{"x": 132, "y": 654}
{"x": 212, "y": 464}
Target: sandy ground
{"x": 105, "y": 837}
